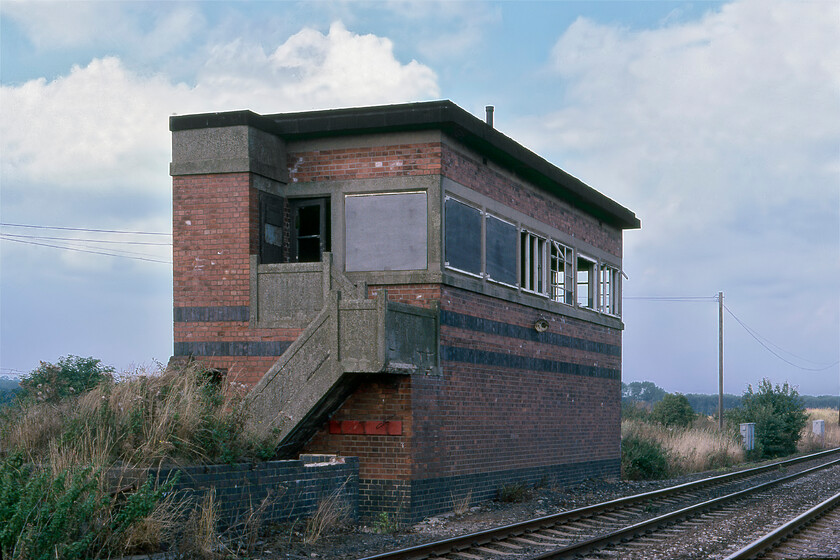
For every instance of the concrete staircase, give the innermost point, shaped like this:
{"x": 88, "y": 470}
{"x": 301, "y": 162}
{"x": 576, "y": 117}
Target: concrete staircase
{"x": 349, "y": 337}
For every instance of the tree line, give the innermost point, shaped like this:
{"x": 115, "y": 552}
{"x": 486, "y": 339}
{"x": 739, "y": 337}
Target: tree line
{"x": 649, "y": 393}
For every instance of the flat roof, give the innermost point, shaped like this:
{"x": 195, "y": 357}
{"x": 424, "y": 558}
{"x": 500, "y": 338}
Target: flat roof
{"x": 432, "y": 115}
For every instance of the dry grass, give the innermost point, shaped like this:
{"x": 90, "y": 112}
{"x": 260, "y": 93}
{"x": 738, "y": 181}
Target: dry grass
{"x": 332, "y": 511}
{"x": 170, "y": 416}
{"x": 121, "y": 430}
{"x": 809, "y": 442}
{"x": 461, "y": 505}
{"x": 695, "y": 449}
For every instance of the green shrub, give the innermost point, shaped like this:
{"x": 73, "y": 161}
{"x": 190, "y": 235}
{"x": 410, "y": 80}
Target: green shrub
{"x": 643, "y": 459}
{"x": 72, "y": 375}
{"x": 673, "y": 411}
{"x": 779, "y": 417}
{"x": 66, "y": 515}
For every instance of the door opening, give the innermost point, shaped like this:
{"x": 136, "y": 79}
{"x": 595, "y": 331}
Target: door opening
{"x": 310, "y": 228}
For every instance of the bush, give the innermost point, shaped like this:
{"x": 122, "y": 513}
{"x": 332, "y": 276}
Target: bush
{"x": 779, "y": 417}
{"x": 72, "y": 375}
{"x": 643, "y": 459}
{"x": 56, "y": 515}
{"x": 673, "y": 411}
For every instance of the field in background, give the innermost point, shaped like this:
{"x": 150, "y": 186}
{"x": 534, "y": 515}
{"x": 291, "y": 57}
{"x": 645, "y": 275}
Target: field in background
{"x": 832, "y": 430}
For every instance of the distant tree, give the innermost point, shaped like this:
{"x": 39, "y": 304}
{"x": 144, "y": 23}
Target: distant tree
{"x": 70, "y": 375}
{"x": 779, "y": 417}
{"x": 673, "y": 410}
{"x": 821, "y": 401}
{"x": 708, "y": 404}
{"x": 642, "y": 391}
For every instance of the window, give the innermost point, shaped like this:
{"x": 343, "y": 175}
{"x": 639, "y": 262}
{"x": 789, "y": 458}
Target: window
{"x": 585, "y": 282}
{"x": 385, "y": 231}
{"x": 562, "y": 274}
{"x": 500, "y": 249}
{"x": 271, "y": 228}
{"x": 532, "y": 263}
{"x": 310, "y": 228}
{"x": 608, "y": 290}
{"x": 462, "y": 237}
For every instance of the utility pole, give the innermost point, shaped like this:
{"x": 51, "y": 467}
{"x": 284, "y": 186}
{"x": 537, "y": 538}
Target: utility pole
{"x": 720, "y": 361}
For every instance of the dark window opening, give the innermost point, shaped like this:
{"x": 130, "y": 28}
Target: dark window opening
{"x": 310, "y": 229}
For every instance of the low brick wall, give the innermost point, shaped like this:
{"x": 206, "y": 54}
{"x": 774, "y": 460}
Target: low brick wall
{"x": 294, "y": 487}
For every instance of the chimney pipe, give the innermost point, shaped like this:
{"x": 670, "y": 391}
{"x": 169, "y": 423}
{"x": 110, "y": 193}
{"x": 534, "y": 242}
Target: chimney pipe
{"x": 489, "y": 119}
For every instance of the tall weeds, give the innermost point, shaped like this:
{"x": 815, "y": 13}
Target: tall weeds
{"x": 74, "y": 471}
{"x": 687, "y": 450}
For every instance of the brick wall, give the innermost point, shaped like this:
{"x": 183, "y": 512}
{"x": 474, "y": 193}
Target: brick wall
{"x": 482, "y": 178}
{"x": 294, "y": 488}
{"x": 365, "y": 163}
{"x": 215, "y": 230}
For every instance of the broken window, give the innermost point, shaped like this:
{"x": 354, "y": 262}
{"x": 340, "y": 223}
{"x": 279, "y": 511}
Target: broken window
{"x": 271, "y": 228}
{"x": 562, "y": 273}
{"x": 462, "y": 237}
{"x": 310, "y": 228}
{"x": 386, "y": 231}
{"x": 500, "y": 249}
{"x": 608, "y": 290}
{"x": 532, "y": 257}
{"x": 586, "y": 282}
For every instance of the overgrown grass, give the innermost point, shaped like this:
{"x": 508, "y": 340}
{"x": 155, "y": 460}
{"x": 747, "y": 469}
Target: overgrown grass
{"x": 809, "y": 442}
{"x": 74, "y": 469}
{"x": 651, "y": 451}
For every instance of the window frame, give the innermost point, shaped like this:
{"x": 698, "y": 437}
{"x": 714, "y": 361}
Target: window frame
{"x": 609, "y": 282}
{"x": 536, "y": 255}
{"x": 591, "y": 282}
{"x": 567, "y": 286}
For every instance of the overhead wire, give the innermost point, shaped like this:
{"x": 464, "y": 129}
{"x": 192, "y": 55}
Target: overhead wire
{"x": 766, "y": 345}
{"x": 33, "y": 226}
{"x": 88, "y": 244}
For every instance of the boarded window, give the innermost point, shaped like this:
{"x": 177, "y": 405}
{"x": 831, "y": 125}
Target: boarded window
{"x": 271, "y": 228}
{"x": 386, "y": 231}
{"x": 462, "y": 237}
{"x": 500, "y": 246}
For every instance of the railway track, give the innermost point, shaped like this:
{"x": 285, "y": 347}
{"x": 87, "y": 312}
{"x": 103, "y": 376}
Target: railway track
{"x": 807, "y": 536}
{"x": 629, "y": 522}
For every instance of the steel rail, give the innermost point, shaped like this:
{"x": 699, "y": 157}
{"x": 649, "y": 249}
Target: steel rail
{"x": 782, "y": 533}
{"x": 480, "y": 538}
{"x": 639, "y": 529}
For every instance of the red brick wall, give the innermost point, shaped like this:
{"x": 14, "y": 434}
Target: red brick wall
{"x": 380, "y": 400}
{"x": 489, "y": 417}
{"x": 215, "y": 230}
{"x": 365, "y": 163}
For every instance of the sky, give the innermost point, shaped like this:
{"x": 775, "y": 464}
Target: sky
{"x": 717, "y": 123}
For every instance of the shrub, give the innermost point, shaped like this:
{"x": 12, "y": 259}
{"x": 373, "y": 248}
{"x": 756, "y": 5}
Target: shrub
{"x": 643, "y": 459}
{"x": 72, "y": 375}
{"x": 673, "y": 411}
{"x": 779, "y": 417}
{"x": 66, "y": 514}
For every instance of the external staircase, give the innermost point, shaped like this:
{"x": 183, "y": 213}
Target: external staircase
{"x": 347, "y": 339}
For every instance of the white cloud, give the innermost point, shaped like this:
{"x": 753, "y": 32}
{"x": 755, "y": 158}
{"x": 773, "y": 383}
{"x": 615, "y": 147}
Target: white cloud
{"x": 722, "y": 134}
{"x": 104, "y": 127}
{"x": 312, "y": 70}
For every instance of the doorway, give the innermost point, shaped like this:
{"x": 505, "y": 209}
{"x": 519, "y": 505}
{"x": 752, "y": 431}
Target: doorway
{"x": 310, "y": 228}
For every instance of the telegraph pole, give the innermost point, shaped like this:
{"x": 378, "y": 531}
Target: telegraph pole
{"x": 720, "y": 361}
